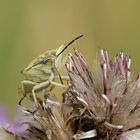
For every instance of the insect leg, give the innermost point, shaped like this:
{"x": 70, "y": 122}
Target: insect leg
{"x": 38, "y": 87}
{"x": 22, "y": 98}
{"x": 59, "y": 76}
{"x": 26, "y": 89}
{"x": 58, "y": 84}
{"x": 34, "y": 97}
{"x": 66, "y": 78}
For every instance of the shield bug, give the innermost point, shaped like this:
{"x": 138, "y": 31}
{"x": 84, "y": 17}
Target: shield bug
{"x": 42, "y": 71}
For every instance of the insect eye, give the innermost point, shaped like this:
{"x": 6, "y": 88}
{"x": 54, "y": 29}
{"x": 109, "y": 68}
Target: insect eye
{"x": 45, "y": 61}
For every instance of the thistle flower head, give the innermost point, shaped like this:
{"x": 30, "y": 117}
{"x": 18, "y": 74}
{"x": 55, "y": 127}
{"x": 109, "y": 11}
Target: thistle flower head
{"x": 106, "y": 100}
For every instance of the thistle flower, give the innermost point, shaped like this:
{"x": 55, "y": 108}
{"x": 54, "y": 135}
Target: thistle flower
{"x": 8, "y": 128}
{"x": 106, "y": 100}
{"x": 98, "y": 104}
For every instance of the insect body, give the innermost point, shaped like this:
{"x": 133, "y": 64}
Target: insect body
{"x": 42, "y": 71}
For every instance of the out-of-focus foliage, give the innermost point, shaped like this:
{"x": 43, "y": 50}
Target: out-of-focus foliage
{"x": 28, "y": 28}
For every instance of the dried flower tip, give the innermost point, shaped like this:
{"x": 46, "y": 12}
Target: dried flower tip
{"x": 85, "y": 135}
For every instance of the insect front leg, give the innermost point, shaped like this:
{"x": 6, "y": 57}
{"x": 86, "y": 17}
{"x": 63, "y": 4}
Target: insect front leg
{"x": 52, "y": 78}
{"x": 39, "y": 87}
{"x": 58, "y": 84}
{"x": 27, "y": 87}
{"x": 44, "y": 85}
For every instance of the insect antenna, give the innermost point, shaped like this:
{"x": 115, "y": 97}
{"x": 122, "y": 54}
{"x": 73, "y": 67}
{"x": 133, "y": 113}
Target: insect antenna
{"x": 70, "y": 44}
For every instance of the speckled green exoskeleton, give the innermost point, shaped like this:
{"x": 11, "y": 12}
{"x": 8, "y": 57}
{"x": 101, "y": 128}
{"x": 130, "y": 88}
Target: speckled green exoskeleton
{"x": 42, "y": 71}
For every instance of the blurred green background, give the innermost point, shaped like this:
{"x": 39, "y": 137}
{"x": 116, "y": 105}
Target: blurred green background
{"x": 30, "y": 27}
